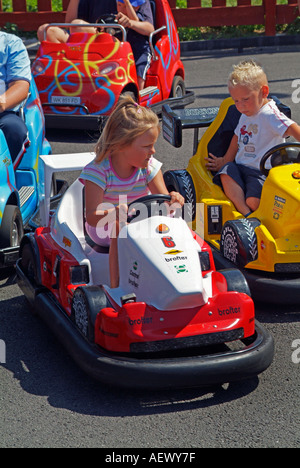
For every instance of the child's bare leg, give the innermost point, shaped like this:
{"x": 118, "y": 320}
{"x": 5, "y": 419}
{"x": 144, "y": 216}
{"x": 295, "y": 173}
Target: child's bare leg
{"x": 82, "y": 28}
{"x": 113, "y": 251}
{"x": 235, "y": 193}
{"x": 141, "y": 82}
{"x": 54, "y": 34}
{"x": 253, "y": 203}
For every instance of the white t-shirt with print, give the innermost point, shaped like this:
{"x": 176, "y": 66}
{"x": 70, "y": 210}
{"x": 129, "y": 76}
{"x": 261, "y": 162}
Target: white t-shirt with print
{"x": 257, "y": 134}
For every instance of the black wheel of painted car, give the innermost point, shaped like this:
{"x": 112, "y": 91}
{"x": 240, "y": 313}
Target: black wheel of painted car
{"x": 181, "y": 181}
{"x": 11, "y": 229}
{"x": 239, "y": 242}
{"x": 178, "y": 87}
{"x": 87, "y": 302}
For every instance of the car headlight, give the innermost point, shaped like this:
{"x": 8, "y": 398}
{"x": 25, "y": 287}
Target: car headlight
{"x": 38, "y": 68}
{"x": 107, "y": 68}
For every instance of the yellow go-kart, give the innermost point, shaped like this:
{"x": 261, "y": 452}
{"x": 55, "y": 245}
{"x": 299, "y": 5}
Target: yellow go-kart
{"x": 265, "y": 245}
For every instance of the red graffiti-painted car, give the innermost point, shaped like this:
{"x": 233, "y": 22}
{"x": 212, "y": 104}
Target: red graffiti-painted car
{"x": 81, "y": 81}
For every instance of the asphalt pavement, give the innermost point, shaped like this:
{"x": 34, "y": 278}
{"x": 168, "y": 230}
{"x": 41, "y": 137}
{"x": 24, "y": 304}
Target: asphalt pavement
{"x": 47, "y": 401}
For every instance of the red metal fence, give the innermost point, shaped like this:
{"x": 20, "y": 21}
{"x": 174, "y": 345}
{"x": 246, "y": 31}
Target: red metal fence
{"x": 269, "y": 13}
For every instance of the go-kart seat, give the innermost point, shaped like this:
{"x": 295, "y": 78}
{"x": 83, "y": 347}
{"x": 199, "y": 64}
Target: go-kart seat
{"x": 104, "y": 37}
{"x": 215, "y": 140}
{"x": 84, "y": 37}
{"x": 70, "y": 220}
{"x": 220, "y": 141}
{"x": 79, "y": 37}
{"x": 98, "y": 248}
{"x": 67, "y": 229}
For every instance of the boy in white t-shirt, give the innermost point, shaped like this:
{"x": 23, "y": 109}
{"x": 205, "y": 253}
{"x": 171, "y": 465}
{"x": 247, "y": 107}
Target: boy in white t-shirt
{"x": 261, "y": 126}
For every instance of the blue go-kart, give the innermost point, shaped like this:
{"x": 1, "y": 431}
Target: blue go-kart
{"x": 19, "y": 186}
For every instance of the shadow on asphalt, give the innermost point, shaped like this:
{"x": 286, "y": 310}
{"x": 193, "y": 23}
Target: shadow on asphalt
{"x": 41, "y": 365}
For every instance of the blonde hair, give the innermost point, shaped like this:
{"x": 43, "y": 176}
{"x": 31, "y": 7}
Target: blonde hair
{"x": 127, "y": 122}
{"x": 248, "y": 73}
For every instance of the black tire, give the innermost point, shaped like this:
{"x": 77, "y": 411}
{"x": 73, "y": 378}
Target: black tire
{"x": 178, "y": 87}
{"x": 29, "y": 263}
{"x": 236, "y": 281}
{"x": 182, "y": 182}
{"x": 129, "y": 94}
{"x": 11, "y": 229}
{"x": 238, "y": 242}
{"x": 86, "y": 304}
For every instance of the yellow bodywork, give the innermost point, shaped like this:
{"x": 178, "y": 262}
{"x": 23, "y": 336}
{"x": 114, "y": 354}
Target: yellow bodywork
{"x": 278, "y": 235}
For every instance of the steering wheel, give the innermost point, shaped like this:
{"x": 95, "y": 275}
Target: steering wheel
{"x": 285, "y": 153}
{"x": 147, "y": 206}
{"x": 108, "y": 18}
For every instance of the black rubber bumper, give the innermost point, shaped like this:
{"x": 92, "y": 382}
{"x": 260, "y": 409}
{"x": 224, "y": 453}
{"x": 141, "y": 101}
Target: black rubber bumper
{"x": 272, "y": 288}
{"x": 130, "y": 372}
{"x": 9, "y": 256}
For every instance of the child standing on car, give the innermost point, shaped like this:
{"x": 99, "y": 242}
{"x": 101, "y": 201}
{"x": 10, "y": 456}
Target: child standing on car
{"x": 136, "y": 15}
{"x": 261, "y": 126}
{"x": 123, "y": 170}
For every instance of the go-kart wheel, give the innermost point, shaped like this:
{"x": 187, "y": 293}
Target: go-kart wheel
{"x": 285, "y": 153}
{"x": 178, "y": 87}
{"x": 29, "y": 263}
{"x": 181, "y": 181}
{"x": 236, "y": 281}
{"x": 238, "y": 242}
{"x": 87, "y": 302}
{"x": 149, "y": 205}
{"x": 129, "y": 94}
{"x": 11, "y": 229}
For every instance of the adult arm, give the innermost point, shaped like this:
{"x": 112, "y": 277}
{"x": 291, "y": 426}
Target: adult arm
{"x": 72, "y": 11}
{"x": 17, "y": 75}
{"x": 16, "y": 92}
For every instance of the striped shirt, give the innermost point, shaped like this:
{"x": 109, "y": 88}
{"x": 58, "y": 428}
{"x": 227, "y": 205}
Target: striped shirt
{"x": 114, "y": 187}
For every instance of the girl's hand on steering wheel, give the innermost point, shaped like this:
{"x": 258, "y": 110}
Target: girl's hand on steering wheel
{"x": 177, "y": 198}
{"x": 176, "y": 203}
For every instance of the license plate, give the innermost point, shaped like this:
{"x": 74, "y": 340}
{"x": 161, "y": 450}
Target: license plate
{"x": 71, "y": 100}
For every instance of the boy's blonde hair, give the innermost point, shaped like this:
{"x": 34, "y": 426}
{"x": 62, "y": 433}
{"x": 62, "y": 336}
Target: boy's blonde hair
{"x": 248, "y": 73}
{"x": 127, "y": 122}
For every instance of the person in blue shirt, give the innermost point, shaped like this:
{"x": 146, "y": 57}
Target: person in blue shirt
{"x": 15, "y": 78}
{"x": 136, "y": 16}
